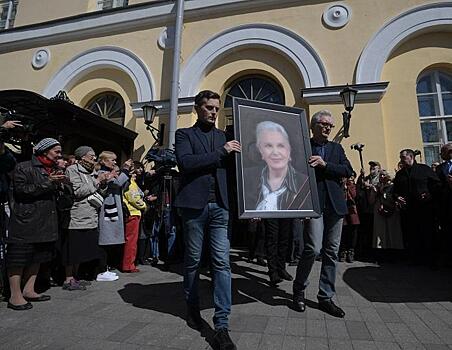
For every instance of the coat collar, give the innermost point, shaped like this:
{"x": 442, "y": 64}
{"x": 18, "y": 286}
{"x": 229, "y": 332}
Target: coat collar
{"x": 202, "y": 138}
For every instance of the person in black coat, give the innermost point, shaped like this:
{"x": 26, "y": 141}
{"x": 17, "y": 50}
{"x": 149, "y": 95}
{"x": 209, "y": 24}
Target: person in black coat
{"x": 33, "y": 225}
{"x": 444, "y": 172}
{"x": 202, "y": 200}
{"x": 323, "y": 235}
{"x": 416, "y": 189}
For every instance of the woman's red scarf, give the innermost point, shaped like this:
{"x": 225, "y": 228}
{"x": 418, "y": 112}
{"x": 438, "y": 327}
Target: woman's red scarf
{"x": 48, "y": 164}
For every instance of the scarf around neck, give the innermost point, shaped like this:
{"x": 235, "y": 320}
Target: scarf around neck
{"x": 47, "y": 163}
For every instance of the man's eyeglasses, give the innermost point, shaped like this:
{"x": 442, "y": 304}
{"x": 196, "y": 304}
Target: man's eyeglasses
{"x": 326, "y": 125}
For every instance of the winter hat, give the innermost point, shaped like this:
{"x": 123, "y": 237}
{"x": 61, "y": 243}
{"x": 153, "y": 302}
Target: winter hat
{"x": 81, "y": 151}
{"x": 45, "y": 144}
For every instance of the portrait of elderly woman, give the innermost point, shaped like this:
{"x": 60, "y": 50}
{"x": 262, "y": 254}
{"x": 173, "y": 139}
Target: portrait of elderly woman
{"x": 276, "y": 184}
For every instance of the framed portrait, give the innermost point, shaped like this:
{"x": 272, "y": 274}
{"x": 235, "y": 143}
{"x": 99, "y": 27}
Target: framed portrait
{"x": 274, "y": 179}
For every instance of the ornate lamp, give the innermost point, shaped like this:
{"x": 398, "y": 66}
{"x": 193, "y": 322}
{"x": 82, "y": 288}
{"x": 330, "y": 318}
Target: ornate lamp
{"x": 149, "y": 112}
{"x": 348, "y": 96}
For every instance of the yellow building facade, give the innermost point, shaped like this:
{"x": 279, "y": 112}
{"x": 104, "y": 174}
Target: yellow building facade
{"x": 396, "y": 53}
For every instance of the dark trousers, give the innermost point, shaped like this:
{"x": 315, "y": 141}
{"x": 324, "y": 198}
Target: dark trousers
{"x": 418, "y": 228}
{"x": 349, "y": 237}
{"x": 256, "y": 239}
{"x": 277, "y": 235}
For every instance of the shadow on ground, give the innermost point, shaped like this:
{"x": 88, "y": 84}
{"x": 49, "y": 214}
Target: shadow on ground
{"x": 397, "y": 283}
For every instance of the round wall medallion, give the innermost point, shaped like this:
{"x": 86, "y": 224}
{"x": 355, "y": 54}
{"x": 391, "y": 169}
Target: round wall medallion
{"x": 40, "y": 58}
{"x": 337, "y": 16}
{"x": 166, "y": 38}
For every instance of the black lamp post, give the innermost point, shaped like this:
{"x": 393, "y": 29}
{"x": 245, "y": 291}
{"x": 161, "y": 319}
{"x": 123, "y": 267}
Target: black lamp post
{"x": 348, "y": 96}
{"x": 149, "y": 112}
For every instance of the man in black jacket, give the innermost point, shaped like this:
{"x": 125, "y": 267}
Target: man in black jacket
{"x": 323, "y": 234}
{"x": 416, "y": 188}
{"x": 201, "y": 153}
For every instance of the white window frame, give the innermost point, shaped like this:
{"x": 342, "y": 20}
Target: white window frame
{"x": 11, "y": 14}
{"x": 115, "y": 4}
{"x": 440, "y": 116}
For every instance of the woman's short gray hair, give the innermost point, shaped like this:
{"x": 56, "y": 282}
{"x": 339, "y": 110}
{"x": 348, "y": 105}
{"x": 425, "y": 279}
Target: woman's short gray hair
{"x": 316, "y": 117}
{"x": 270, "y": 126}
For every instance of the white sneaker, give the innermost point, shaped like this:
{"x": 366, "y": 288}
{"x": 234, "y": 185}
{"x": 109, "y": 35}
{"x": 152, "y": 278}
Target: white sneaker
{"x": 111, "y": 273}
{"x": 106, "y": 277}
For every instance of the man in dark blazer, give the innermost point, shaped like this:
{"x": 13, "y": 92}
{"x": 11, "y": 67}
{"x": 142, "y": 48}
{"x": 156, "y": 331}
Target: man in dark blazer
{"x": 202, "y": 200}
{"x": 323, "y": 234}
{"x": 416, "y": 189}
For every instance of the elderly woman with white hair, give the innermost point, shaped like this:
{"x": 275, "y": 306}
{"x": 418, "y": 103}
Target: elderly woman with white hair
{"x": 281, "y": 187}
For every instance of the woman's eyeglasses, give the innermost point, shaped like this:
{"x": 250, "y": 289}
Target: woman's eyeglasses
{"x": 326, "y": 125}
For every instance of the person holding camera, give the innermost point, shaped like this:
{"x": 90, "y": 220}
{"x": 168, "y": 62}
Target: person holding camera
{"x": 33, "y": 227}
{"x": 202, "y": 200}
{"x": 416, "y": 189}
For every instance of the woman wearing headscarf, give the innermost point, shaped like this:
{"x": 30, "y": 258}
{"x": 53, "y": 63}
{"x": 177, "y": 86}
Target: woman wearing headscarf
{"x": 80, "y": 241}
{"x": 33, "y": 226}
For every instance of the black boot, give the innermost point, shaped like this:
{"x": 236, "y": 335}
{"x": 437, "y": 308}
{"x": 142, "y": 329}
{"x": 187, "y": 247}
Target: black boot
{"x": 330, "y": 308}
{"x": 194, "y": 319}
{"x": 343, "y": 256}
{"x": 350, "y": 256}
{"x": 223, "y": 340}
{"x": 298, "y": 301}
{"x": 285, "y": 275}
{"x": 275, "y": 279}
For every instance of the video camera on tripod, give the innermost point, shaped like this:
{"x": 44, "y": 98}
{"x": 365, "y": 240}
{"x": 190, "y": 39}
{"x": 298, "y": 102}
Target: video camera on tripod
{"x": 19, "y": 133}
{"x": 164, "y": 159}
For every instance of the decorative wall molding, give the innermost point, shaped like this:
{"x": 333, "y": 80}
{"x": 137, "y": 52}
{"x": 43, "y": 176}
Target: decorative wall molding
{"x": 419, "y": 20}
{"x": 40, "y": 58}
{"x": 337, "y": 16}
{"x": 103, "y": 57}
{"x": 330, "y": 94}
{"x": 185, "y": 105}
{"x": 289, "y": 44}
{"x": 130, "y": 18}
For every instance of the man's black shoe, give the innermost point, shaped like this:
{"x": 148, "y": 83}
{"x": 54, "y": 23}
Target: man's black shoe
{"x": 223, "y": 340}
{"x": 298, "y": 301}
{"x": 330, "y": 308}
{"x": 275, "y": 279}
{"x": 194, "y": 319}
{"x": 285, "y": 275}
{"x": 260, "y": 261}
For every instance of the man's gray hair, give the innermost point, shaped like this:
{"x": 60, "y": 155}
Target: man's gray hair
{"x": 316, "y": 117}
{"x": 270, "y": 126}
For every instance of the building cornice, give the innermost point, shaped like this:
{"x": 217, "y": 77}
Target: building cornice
{"x": 372, "y": 92}
{"x": 135, "y": 17}
{"x": 185, "y": 106}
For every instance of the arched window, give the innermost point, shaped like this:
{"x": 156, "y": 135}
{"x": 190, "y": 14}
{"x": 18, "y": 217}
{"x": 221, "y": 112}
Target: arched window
{"x": 109, "y": 105}
{"x": 434, "y": 96}
{"x": 253, "y": 87}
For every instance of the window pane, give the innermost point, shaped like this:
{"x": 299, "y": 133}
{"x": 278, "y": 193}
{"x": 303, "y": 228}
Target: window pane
{"x": 449, "y": 131}
{"x": 430, "y": 132}
{"x": 431, "y": 154}
{"x": 426, "y": 106}
{"x": 424, "y": 85}
{"x": 445, "y": 80}
{"x": 447, "y": 103}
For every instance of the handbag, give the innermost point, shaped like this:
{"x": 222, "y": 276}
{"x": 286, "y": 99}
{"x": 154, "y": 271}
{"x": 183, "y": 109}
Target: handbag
{"x": 96, "y": 200}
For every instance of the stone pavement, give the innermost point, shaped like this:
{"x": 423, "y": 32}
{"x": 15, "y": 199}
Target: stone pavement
{"x": 387, "y": 307}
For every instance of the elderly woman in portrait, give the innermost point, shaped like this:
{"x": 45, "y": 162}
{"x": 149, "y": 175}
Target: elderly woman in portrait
{"x": 280, "y": 187}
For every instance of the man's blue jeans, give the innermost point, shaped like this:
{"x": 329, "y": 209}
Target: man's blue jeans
{"x": 321, "y": 237}
{"x": 212, "y": 221}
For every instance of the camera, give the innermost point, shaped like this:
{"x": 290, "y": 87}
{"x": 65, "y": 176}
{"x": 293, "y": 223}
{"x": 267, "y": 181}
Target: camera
{"x": 357, "y": 147}
{"x": 164, "y": 159}
{"x": 17, "y": 134}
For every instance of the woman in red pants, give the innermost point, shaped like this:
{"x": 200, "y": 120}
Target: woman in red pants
{"x": 133, "y": 199}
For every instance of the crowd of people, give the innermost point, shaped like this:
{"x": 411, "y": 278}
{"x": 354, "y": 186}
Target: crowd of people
{"x": 72, "y": 219}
